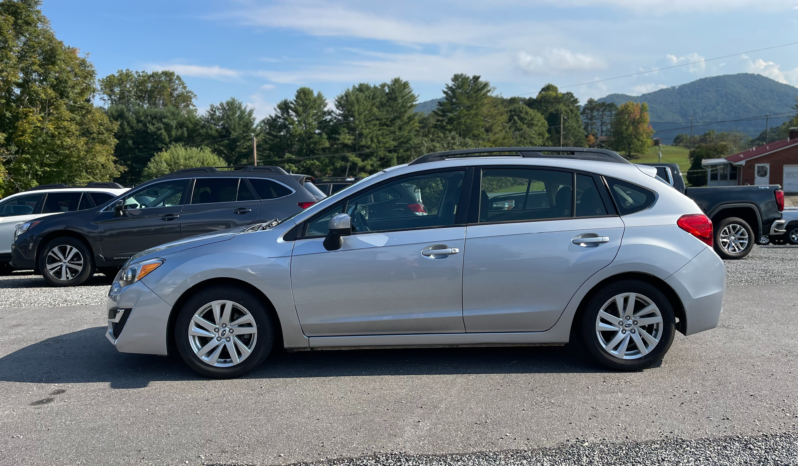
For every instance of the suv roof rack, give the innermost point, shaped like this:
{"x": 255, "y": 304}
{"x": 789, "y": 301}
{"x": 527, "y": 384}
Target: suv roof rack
{"x": 580, "y": 153}
{"x": 49, "y": 186}
{"x": 261, "y": 168}
{"x": 111, "y": 185}
{"x": 196, "y": 170}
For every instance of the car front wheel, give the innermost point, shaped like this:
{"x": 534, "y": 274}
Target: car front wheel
{"x": 792, "y": 234}
{"x": 66, "y": 261}
{"x": 734, "y": 238}
{"x": 629, "y": 325}
{"x": 224, "y": 332}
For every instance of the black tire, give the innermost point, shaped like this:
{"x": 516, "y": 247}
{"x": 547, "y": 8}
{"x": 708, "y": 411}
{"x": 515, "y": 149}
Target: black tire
{"x": 242, "y": 297}
{"x": 730, "y": 222}
{"x": 109, "y": 272}
{"x": 63, "y": 243}
{"x": 589, "y": 334}
{"x": 792, "y": 234}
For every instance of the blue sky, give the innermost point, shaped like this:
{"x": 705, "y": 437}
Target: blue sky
{"x": 261, "y": 51}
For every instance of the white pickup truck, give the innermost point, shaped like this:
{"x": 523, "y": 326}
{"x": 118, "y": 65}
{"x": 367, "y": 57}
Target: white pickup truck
{"x": 790, "y": 214}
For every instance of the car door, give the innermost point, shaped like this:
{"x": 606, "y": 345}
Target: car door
{"x": 151, "y": 217}
{"x": 386, "y": 279}
{"x": 218, "y": 204}
{"x": 531, "y": 244}
{"x": 13, "y": 211}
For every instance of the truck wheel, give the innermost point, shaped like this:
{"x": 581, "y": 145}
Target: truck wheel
{"x": 66, "y": 261}
{"x": 792, "y": 234}
{"x": 734, "y": 238}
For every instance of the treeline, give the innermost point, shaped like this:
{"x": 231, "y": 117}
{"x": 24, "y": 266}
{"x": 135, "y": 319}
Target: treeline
{"x": 148, "y": 124}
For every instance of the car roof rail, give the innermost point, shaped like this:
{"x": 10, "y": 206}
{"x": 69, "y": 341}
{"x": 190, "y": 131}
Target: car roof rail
{"x": 196, "y": 170}
{"x": 94, "y": 184}
{"x": 49, "y": 186}
{"x": 579, "y": 153}
{"x": 261, "y": 168}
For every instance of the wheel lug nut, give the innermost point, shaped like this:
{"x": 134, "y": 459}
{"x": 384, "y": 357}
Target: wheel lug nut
{"x": 635, "y": 322}
{"x": 218, "y": 338}
{"x": 227, "y": 339}
{"x": 620, "y": 322}
{"x": 216, "y": 330}
{"x": 224, "y": 325}
{"x": 623, "y": 332}
{"x": 633, "y": 330}
{"x": 231, "y": 331}
{"x": 627, "y": 317}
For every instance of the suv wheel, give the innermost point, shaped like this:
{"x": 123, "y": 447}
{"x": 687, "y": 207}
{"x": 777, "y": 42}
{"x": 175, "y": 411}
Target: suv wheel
{"x": 66, "y": 261}
{"x": 224, "y": 332}
{"x": 792, "y": 234}
{"x": 734, "y": 238}
{"x": 629, "y": 325}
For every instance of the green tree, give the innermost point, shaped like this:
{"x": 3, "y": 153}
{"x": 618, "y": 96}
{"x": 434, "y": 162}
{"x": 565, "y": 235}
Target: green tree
{"x": 178, "y": 157}
{"x": 591, "y": 116}
{"x": 462, "y": 109}
{"x": 49, "y": 129}
{"x": 400, "y": 119}
{"x": 631, "y": 131}
{"x": 697, "y": 175}
{"x": 528, "y": 127}
{"x": 553, "y": 104}
{"x": 359, "y": 129}
{"x": 159, "y": 89}
{"x": 142, "y": 132}
{"x": 229, "y": 130}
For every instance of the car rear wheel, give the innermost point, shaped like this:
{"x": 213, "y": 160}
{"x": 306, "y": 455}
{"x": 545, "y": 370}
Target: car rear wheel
{"x": 224, "y": 332}
{"x": 66, "y": 261}
{"x": 734, "y": 238}
{"x": 629, "y": 325}
{"x": 792, "y": 234}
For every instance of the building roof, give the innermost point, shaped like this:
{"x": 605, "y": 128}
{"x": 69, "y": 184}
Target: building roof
{"x": 707, "y": 162}
{"x": 754, "y": 152}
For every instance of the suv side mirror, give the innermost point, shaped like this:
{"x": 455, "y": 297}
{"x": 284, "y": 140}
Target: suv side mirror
{"x": 119, "y": 208}
{"x": 340, "y": 225}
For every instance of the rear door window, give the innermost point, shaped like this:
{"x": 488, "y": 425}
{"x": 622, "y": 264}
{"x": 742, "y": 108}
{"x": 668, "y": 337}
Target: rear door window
{"x": 520, "y": 194}
{"x": 588, "y": 199}
{"x": 630, "y": 198}
{"x": 61, "y": 202}
{"x": 21, "y": 205}
{"x": 213, "y": 190}
{"x": 268, "y": 189}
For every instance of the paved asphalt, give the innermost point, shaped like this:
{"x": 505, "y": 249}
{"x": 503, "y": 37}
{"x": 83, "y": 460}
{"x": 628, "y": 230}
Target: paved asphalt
{"x": 66, "y": 396}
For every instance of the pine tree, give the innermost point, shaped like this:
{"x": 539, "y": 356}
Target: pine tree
{"x": 462, "y": 110}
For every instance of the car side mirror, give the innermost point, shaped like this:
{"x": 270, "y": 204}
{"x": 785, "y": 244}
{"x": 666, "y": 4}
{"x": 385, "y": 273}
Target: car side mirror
{"x": 340, "y": 225}
{"x": 119, "y": 208}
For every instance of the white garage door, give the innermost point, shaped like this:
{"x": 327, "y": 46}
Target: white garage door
{"x": 791, "y": 178}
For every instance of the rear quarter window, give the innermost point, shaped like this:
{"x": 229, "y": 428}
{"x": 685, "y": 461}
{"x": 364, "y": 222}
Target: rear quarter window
{"x": 630, "y": 198}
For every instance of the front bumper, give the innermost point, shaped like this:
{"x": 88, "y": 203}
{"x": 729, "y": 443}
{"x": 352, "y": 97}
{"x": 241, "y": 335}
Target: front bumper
{"x": 23, "y": 252}
{"x": 137, "y": 320}
{"x": 701, "y": 285}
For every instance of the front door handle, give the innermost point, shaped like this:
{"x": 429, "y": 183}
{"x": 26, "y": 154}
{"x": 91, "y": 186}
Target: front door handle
{"x": 590, "y": 239}
{"x": 242, "y": 210}
{"x": 170, "y": 217}
{"x": 439, "y": 252}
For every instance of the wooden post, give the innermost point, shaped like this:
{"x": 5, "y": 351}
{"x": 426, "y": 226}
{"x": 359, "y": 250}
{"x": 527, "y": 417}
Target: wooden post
{"x": 255, "y": 150}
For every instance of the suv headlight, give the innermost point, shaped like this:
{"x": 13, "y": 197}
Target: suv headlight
{"x": 23, "y": 227}
{"x": 134, "y": 272}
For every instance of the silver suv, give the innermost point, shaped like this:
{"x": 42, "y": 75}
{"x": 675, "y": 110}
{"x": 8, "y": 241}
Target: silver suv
{"x": 508, "y": 246}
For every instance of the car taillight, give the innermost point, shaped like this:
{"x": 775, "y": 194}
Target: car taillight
{"x": 780, "y": 199}
{"x": 305, "y": 205}
{"x": 697, "y": 225}
{"x": 417, "y": 208}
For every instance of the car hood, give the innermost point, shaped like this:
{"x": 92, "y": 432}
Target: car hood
{"x": 185, "y": 243}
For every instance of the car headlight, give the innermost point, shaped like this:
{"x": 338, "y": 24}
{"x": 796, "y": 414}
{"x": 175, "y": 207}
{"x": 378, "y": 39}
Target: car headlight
{"x": 134, "y": 272}
{"x": 23, "y": 227}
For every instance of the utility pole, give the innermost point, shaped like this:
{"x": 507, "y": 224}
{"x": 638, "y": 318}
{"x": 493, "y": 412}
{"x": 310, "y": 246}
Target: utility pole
{"x": 560, "y": 129}
{"x": 767, "y": 128}
{"x": 255, "y": 150}
{"x": 691, "y": 134}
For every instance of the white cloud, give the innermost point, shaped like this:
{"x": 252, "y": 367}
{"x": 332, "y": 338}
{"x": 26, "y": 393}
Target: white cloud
{"x": 209, "y": 72}
{"x": 771, "y": 70}
{"x": 558, "y": 60}
{"x": 646, "y": 88}
{"x": 696, "y": 62}
{"x": 261, "y": 106}
{"x": 649, "y": 6}
{"x": 268, "y": 87}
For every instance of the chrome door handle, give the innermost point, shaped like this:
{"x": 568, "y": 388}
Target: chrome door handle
{"x": 440, "y": 252}
{"x": 242, "y": 210}
{"x": 584, "y": 240}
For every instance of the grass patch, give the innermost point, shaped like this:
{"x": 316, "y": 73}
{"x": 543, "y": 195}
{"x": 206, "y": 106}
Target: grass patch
{"x": 670, "y": 154}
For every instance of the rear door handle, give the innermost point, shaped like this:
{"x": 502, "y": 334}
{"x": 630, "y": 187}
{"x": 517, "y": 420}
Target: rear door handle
{"x": 590, "y": 239}
{"x": 242, "y": 210}
{"x": 170, "y": 217}
{"x": 439, "y": 252}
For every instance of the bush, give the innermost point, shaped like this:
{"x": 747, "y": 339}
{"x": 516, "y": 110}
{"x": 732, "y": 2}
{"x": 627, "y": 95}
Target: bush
{"x": 178, "y": 157}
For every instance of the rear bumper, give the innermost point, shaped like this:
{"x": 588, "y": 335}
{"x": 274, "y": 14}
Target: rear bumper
{"x": 779, "y": 227}
{"x": 701, "y": 285}
{"x": 137, "y": 320}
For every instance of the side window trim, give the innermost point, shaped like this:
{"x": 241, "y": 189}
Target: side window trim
{"x": 255, "y": 191}
{"x": 462, "y": 201}
{"x": 187, "y": 191}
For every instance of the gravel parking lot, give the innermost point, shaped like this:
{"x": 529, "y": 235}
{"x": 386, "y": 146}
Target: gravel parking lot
{"x": 727, "y": 396}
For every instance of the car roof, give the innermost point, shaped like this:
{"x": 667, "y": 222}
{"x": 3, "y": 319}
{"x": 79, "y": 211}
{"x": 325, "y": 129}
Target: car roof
{"x": 114, "y": 191}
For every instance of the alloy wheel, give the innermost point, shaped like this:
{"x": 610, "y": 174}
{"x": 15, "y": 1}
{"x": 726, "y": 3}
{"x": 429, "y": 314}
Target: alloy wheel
{"x": 222, "y": 333}
{"x": 794, "y": 235}
{"x": 734, "y": 238}
{"x": 64, "y": 262}
{"x": 629, "y": 326}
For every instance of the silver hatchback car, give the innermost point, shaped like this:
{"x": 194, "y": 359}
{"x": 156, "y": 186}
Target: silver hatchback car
{"x": 507, "y": 246}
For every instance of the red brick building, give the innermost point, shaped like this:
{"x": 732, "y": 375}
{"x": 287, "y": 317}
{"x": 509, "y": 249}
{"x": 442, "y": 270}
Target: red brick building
{"x": 774, "y": 163}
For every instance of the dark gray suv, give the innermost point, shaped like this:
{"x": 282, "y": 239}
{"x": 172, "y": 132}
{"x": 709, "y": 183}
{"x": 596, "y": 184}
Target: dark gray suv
{"x": 67, "y": 249}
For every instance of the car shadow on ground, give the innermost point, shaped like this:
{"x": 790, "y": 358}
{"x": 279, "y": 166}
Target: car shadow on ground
{"x": 86, "y": 356}
{"x": 28, "y": 279}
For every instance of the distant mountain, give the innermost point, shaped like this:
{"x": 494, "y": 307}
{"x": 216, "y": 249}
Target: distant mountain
{"x": 743, "y": 97}
{"x": 428, "y": 106}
